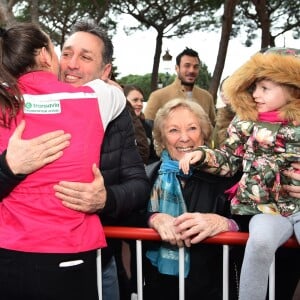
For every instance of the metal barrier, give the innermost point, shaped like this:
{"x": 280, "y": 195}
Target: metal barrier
{"x": 226, "y": 239}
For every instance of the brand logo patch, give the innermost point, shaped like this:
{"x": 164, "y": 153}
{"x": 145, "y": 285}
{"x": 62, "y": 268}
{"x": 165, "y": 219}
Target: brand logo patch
{"x": 42, "y": 107}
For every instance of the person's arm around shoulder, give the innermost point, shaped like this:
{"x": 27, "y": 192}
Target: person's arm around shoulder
{"x": 111, "y": 98}
{"x": 87, "y": 197}
{"x": 118, "y": 200}
{"x": 23, "y": 157}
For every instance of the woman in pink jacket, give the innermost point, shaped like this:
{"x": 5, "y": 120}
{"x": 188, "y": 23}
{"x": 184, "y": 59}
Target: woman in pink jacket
{"x": 48, "y": 251}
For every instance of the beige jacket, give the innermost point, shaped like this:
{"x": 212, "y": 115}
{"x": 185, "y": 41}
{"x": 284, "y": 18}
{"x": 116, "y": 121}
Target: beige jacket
{"x": 176, "y": 90}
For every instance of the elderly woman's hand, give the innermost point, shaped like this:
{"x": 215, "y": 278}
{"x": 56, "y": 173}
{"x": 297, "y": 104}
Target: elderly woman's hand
{"x": 164, "y": 225}
{"x": 195, "y": 227}
{"x": 293, "y": 190}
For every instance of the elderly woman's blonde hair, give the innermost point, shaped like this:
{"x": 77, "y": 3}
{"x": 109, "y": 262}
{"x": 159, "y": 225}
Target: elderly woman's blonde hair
{"x": 164, "y": 112}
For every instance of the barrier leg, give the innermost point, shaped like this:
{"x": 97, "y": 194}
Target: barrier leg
{"x": 139, "y": 271}
{"x": 99, "y": 273}
{"x": 181, "y": 273}
{"x": 272, "y": 280}
{"x": 225, "y": 272}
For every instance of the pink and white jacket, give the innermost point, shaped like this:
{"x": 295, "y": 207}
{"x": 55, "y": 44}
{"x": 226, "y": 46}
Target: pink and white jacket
{"x": 32, "y": 219}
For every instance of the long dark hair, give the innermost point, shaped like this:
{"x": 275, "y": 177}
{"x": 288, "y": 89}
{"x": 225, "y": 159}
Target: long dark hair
{"x": 131, "y": 87}
{"x": 19, "y": 45}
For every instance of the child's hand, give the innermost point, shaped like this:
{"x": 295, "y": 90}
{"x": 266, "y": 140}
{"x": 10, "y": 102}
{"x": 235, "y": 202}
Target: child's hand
{"x": 189, "y": 159}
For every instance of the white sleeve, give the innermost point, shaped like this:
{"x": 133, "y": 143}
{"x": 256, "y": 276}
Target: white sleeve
{"x": 111, "y": 100}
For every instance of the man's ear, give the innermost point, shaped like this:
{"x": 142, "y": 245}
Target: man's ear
{"x": 106, "y": 72}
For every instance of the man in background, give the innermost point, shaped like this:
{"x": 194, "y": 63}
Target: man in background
{"x": 187, "y": 68}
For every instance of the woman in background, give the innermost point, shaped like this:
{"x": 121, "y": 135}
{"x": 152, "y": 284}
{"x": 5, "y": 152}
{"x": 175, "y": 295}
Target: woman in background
{"x": 135, "y": 96}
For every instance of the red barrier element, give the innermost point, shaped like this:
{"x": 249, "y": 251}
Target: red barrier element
{"x": 225, "y": 238}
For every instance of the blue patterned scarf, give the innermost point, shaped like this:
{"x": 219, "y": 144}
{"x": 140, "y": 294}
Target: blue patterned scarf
{"x": 166, "y": 197}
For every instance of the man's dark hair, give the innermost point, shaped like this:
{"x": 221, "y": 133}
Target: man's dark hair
{"x": 187, "y": 51}
{"x": 91, "y": 27}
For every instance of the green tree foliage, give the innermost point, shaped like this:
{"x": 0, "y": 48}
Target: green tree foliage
{"x": 57, "y": 17}
{"x": 169, "y": 18}
{"x": 144, "y": 81}
{"x": 204, "y": 77}
{"x": 270, "y": 18}
{"x": 273, "y": 17}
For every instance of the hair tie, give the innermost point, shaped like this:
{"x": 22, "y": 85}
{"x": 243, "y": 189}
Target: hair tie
{"x": 2, "y": 32}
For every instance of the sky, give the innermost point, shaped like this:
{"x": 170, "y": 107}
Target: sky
{"x": 134, "y": 54}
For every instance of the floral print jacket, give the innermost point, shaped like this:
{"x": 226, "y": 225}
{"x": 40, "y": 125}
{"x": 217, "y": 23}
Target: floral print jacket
{"x": 262, "y": 150}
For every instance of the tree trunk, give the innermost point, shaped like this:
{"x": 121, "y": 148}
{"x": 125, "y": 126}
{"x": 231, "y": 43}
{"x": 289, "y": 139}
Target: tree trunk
{"x": 264, "y": 19}
{"x": 6, "y": 14}
{"x": 227, "y": 19}
{"x": 34, "y": 11}
{"x": 156, "y": 61}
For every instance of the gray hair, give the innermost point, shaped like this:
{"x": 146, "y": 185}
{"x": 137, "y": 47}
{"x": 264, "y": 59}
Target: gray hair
{"x": 163, "y": 113}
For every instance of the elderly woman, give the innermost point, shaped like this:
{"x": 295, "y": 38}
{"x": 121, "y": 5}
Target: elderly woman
{"x": 184, "y": 209}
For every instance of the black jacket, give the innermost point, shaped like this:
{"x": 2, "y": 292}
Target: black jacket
{"x": 123, "y": 171}
{"x": 7, "y": 179}
{"x": 203, "y": 193}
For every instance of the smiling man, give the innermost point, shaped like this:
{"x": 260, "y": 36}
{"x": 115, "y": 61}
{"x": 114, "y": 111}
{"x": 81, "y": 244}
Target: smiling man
{"x": 187, "y": 68}
{"x": 122, "y": 187}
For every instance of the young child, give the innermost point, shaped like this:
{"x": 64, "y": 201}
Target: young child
{"x": 263, "y": 140}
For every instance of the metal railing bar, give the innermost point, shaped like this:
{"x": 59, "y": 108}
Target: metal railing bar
{"x": 225, "y": 239}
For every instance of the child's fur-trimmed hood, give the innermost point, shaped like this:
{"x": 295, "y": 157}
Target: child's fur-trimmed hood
{"x": 282, "y": 67}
